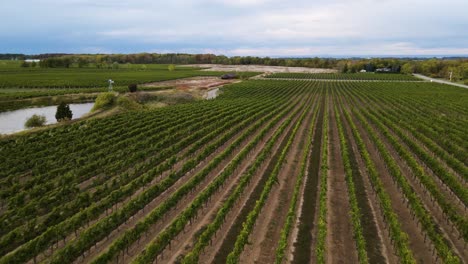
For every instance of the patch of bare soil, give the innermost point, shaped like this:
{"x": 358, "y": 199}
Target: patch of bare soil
{"x": 340, "y": 244}
{"x": 192, "y": 83}
{"x": 260, "y": 68}
{"x": 196, "y": 86}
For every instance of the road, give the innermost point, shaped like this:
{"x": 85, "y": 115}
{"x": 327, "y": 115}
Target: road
{"x": 440, "y": 81}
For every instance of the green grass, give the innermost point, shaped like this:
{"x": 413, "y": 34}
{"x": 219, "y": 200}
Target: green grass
{"x": 14, "y": 76}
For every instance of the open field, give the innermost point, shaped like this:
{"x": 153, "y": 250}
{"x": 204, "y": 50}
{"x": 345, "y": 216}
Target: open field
{"x": 272, "y": 171}
{"x": 345, "y": 76}
{"x": 34, "y": 86}
{"x": 13, "y": 76}
{"x": 259, "y": 68}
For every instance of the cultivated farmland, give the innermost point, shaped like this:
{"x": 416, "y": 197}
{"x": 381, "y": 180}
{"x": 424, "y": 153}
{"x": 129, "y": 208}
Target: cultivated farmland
{"x": 344, "y": 76}
{"x": 272, "y": 171}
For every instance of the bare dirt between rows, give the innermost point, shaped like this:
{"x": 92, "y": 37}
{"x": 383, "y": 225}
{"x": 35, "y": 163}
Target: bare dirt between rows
{"x": 444, "y": 226}
{"x": 156, "y": 180}
{"x": 386, "y": 245}
{"x": 444, "y": 188}
{"x": 172, "y": 214}
{"x": 161, "y": 224}
{"x": 265, "y": 236}
{"x": 303, "y": 240}
{"x": 421, "y": 250}
{"x": 340, "y": 244}
{"x": 447, "y": 229}
{"x": 376, "y": 246}
{"x": 185, "y": 240}
{"x": 225, "y": 237}
{"x": 306, "y": 207}
{"x": 374, "y": 243}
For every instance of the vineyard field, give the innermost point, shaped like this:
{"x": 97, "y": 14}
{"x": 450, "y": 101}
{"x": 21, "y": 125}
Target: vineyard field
{"x": 12, "y": 76}
{"x": 271, "y": 171}
{"x": 345, "y": 76}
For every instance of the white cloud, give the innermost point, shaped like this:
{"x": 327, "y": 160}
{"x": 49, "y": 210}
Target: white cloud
{"x": 269, "y": 27}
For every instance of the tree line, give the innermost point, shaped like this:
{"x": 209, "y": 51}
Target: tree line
{"x": 433, "y": 67}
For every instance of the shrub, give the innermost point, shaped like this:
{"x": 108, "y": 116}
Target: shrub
{"x": 35, "y": 121}
{"x": 104, "y": 100}
{"x": 127, "y": 103}
{"x": 171, "y": 67}
{"x": 63, "y": 112}
{"x": 132, "y": 87}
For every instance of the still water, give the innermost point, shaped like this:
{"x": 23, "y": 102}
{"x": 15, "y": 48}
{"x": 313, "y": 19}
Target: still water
{"x": 13, "y": 121}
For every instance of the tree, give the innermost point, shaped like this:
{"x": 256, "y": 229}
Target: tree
{"x": 171, "y": 67}
{"x": 63, "y": 112}
{"x": 132, "y": 87}
{"x": 407, "y": 68}
{"x": 35, "y": 121}
{"x": 24, "y": 64}
{"x": 345, "y": 68}
{"x": 82, "y": 62}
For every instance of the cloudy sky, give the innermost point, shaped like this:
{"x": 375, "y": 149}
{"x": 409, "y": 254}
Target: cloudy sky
{"x": 236, "y": 27}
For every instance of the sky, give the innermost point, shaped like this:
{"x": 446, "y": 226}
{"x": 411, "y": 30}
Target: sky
{"x": 237, "y": 27}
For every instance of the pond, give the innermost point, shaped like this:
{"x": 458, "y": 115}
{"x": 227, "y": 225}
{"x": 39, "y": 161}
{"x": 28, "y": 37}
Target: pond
{"x": 13, "y": 121}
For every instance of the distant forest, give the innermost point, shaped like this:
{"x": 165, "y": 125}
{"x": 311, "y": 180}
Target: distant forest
{"x": 431, "y": 67}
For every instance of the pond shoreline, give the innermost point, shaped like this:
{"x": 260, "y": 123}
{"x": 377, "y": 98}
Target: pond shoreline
{"x": 12, "y": 122}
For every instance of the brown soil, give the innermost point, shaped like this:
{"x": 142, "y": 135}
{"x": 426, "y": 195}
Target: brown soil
{"x": 304, "y": 237}
{"x": 386, "y": 243}
{"x": 421, "y": 250}
{"x": 156, "y": 180}
{"x": 340, "y": 245}
{"x": 172, "y": 214}
{"x": 265, "y": 236}
{"x": 197, "y": 85}
{"x": 138, "y": 247}
{"x": 234, "y": 215}
{"x": 185, "y": 241}
{"x": 447, "y": 229}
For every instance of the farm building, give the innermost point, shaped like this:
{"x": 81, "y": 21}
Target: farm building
{"x": 228, "y": 76}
